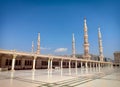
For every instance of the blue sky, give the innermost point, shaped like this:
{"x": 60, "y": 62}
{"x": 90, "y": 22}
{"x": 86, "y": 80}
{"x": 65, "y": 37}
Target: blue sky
{"x": 56, "y": 20}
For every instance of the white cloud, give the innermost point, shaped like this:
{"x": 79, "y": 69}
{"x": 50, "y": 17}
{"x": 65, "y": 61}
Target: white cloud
{"x": 44, "y": 48}
{"x": 60, "y": 50}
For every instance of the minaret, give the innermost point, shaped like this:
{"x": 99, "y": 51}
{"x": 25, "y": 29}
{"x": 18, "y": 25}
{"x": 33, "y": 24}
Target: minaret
{"x": 100, "y": 45}
{"x": 38, "y": 44}
{"x": 86, "y": 44}
{"x": 73, "y": 46}
{"x": 32, "y": 47}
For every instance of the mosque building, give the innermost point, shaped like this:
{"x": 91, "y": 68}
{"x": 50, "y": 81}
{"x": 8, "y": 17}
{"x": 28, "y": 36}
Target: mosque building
{"x": 15, "y": 60}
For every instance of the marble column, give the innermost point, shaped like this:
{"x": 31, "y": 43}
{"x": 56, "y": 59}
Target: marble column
{"x": 93, "y": 65}
{"x": 86, "y": 65}
{"x": 48, "y": 63}
{"x": 81, "y": 64}
{"x": 76, "y": 64}
{"x": 51, "y": 63}
{"x": 99, "y": 65}
{"x": 34, "y": 61}
{"x": 69, "y": 64}
{"x": 23, "y": 62}
{"x": 90, "y": 64}
{"x": 96, "y": 65}
{"x": 76, "y": 67}
{"x": 61, "y": 64}
{"x": 13, "y": 62}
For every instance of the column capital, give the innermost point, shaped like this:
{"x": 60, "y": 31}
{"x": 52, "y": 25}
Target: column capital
{"x": 70, "y": 60}
{"x": 48, "y": 59}
{"x": 51, "y": 58}
{"x": 35, "y": 57}
{"x": 34, "y": 61}
{"x": 14, "y": 56}
{"x": 61, "y": 59}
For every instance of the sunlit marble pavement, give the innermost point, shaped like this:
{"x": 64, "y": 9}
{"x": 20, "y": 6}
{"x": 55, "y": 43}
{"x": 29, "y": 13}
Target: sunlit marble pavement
{"x": 90, "y": 77}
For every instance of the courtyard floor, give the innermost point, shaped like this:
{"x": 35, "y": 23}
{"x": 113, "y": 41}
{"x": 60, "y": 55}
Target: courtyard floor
{"x": 90, "y": 77}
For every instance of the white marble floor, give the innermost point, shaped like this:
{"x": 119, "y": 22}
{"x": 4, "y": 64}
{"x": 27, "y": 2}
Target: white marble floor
{"x": 90, "y": 77}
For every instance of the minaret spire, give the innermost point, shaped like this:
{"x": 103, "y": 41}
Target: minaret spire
{"x": 100, "y": 45}
{"x": 73, "y": 45}
{"x": 86, "y": 44}
{"x": 38, "y": 44}
{"x": 32, "y": 47}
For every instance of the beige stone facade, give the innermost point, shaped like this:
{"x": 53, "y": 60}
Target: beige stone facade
{"x": 14, "y": 60}
{"x": 117, "y": 57}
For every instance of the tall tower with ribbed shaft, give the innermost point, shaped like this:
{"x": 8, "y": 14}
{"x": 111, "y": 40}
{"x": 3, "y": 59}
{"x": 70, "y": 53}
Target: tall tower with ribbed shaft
{"x": 38, "y": 44}
{"x": 32, "y": 47}
{"x": 100, "y": 45}
{"x": 73, "y": 46}
{"x": 86, "y": 44}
